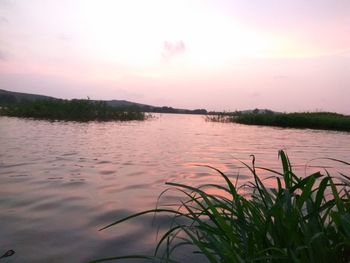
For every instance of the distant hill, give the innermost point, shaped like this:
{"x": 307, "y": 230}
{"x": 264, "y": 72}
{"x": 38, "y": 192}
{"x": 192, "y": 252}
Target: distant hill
{"x": 124, "y": 103}
{"x": 10, "y": 97}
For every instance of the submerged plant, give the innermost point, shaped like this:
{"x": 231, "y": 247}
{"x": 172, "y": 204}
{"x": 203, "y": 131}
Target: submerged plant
{"x": 302, "y": 219}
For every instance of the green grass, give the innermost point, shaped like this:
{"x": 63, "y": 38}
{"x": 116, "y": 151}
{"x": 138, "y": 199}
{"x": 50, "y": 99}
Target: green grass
{"x": 70, "y": 110}
{"x": 312, "y": 120}
{"x": 302, "y": 219}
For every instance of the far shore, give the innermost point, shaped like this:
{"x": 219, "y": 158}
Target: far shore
{"x": 309, "y": 120}
{"x": 71, "y": 110}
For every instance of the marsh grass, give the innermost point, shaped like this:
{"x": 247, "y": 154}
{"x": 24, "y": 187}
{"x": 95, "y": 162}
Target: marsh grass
{"x": 312, "y": 120}
{"x": 221, "y": 118}
{"x": 302, "y": 219}
{"x": 71, "y": 110}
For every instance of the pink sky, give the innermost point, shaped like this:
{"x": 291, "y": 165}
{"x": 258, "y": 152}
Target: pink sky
{"x": 291, "y": 55}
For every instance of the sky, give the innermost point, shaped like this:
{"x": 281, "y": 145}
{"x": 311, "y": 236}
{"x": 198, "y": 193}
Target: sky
{"x": 291, "y": 55}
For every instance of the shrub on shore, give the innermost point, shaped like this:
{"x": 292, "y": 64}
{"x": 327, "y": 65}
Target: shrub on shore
{"x": 71, "y": 110}
{"x": 302, "y": 219}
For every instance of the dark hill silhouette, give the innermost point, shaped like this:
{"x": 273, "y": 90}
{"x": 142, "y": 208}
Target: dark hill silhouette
{"x": 10, "y": 97}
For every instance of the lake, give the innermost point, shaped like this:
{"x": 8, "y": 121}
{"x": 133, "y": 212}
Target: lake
{"x": 62, "y": 181}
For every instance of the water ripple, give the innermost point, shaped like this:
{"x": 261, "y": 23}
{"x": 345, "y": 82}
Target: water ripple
{"x": 62, "y": 181}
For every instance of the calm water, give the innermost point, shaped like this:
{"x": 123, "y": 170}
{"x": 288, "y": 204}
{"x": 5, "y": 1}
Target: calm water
{"x": 61, "y": 182}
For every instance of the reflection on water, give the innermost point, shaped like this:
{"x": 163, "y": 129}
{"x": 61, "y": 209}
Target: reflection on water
{"x": 62, "y": 181}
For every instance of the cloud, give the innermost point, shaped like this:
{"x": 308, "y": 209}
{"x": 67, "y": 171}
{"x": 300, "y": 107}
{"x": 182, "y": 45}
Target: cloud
{"x": 3, "y": 56}
{"x": 65, "y": 37}
{"x": 172, "y": 49}
{"x": 255, "y": 94}
{"x": 345, "y": 53}
{"x": 280, "y": 77}
{"x": 6, "y": 3}
{"x": 3, "y": 19}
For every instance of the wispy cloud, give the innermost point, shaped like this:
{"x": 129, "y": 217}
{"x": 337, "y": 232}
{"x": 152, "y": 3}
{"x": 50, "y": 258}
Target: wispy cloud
{"x": 3, "y": 19}
{"x": 3, "y": 56}
{"x": 65, "y": 37}
{"x": 280, "y": 76}
{"x": 255, "y": 94}
{"x": 345, "y": 53}
{"x": 171, "y": 49}
{"x": 6, "y": 3}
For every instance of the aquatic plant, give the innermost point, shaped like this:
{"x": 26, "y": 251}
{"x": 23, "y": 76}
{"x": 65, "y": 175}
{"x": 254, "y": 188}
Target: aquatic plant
{"x": 312, "y": 120}
{"x": 302, "y": 219}
{"x": 221, "y": 118}
{"x": 71, "y": 110}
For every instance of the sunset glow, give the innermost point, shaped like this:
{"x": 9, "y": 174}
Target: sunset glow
{"x": 160, "y": 130}
{"x": 224, "y": 54}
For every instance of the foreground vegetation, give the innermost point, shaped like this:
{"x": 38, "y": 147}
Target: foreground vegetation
{"x": 302, "y": 219}
{"x": 312, "y": 120}
{"x": 70, "y": 110}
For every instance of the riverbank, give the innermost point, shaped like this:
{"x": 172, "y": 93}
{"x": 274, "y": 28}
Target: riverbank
{"x": 71, "y": 110}
{"x": 310, "y": 120}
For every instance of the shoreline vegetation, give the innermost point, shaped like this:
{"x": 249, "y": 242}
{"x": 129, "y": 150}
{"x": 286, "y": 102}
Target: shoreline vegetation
{"x": 302, "y": 219}
{"x": 8, "y": 98}
{"x": 26, "y": 105}
{"x": 310, "y": 120}
{"x": 71, "y": 110}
